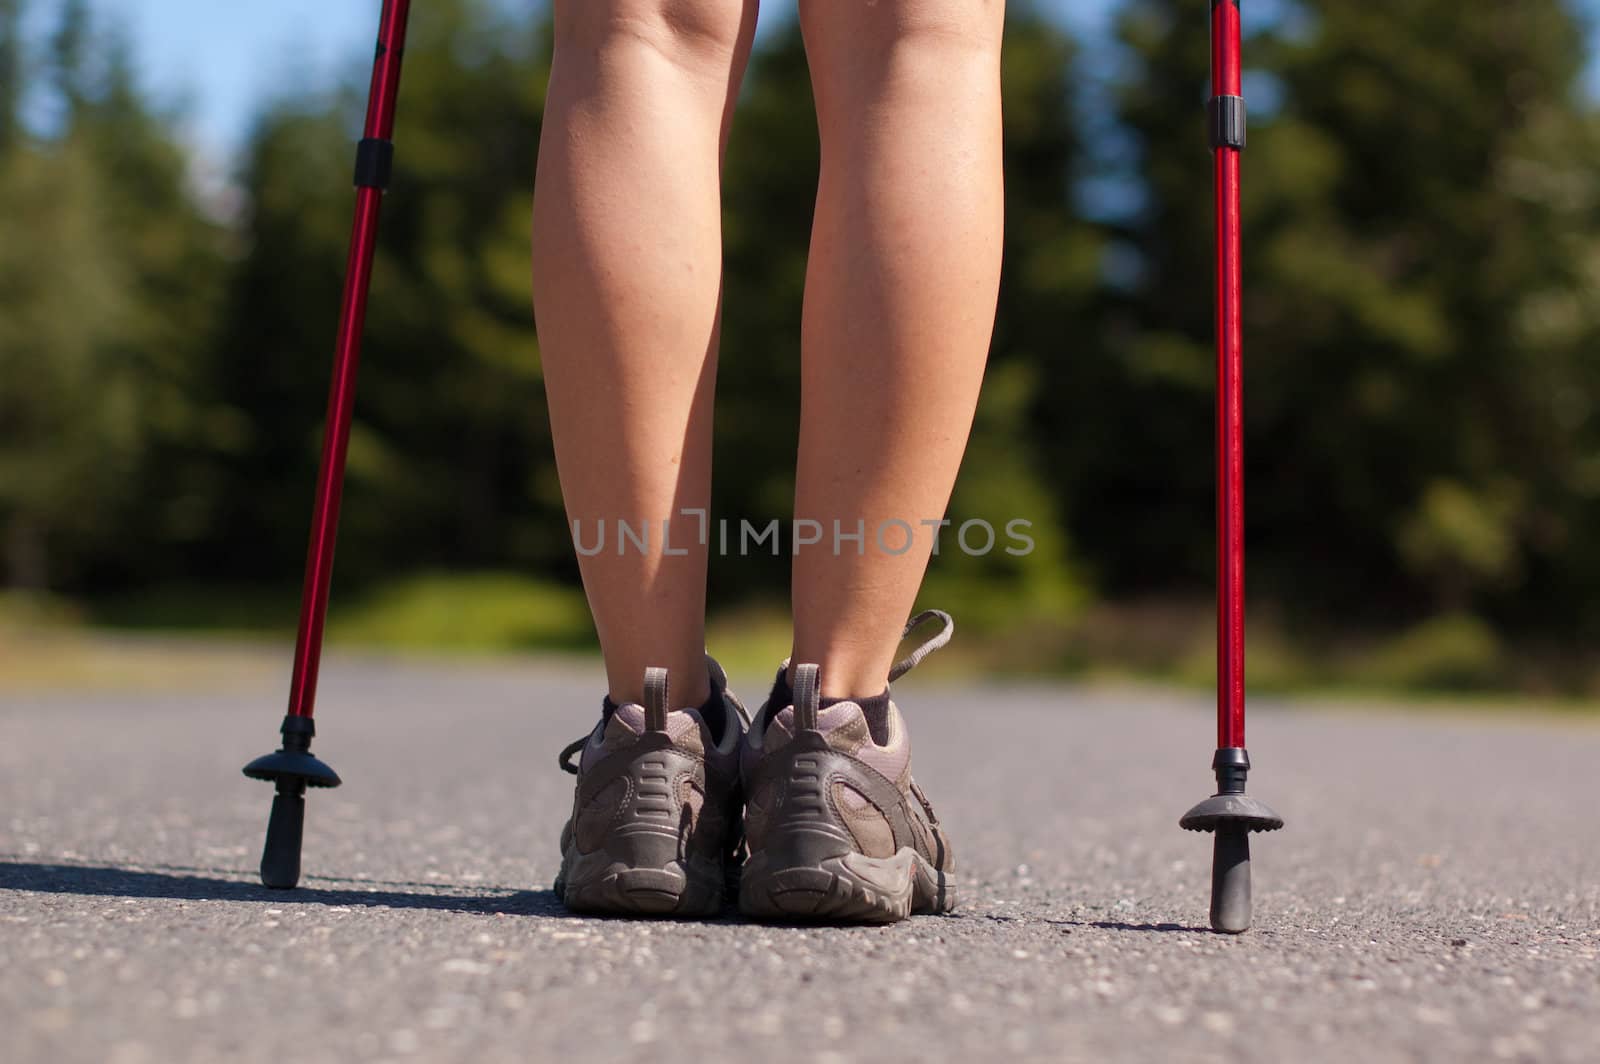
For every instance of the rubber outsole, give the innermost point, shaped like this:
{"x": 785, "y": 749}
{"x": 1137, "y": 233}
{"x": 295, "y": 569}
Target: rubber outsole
{"x": 851, "y": 888}
{"x": 598, "y": 884}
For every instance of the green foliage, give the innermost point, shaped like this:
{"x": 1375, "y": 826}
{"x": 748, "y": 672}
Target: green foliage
{"x": 1050, "y": 274}
{"x": 1050, "y": 277}
{"x": 481, "y": 611}
{"x": 73, "y": 431}
{"x": 1419, "y": 286}
{"x": 107, "y": 277}
{"x": 449, "y": 455}
{"x": 11, "y": 74}
{"x": 1416, "y": 396}
{"x": 1449, "y": 652}
{"x": 769, "y": 186}
{"x": 1423, "y": 303}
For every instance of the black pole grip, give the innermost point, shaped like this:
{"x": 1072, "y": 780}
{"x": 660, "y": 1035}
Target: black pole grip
{"x": 1225, "y": 122}
{"x": 374, "y": 163}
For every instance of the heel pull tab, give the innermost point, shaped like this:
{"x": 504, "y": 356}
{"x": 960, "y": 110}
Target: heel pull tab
{"x": 655, "y": 699}
{"x": 807, "y": 696}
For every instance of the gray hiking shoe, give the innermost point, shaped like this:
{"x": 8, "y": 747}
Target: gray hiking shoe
{"x": 655, "y": 826}
{"x": 837, "y": 828}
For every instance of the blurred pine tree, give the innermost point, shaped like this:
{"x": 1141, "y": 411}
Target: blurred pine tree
{"x": 1423, "y": 304}
{"x": 107, "y": 276}
{"x": 1414, "y": 203}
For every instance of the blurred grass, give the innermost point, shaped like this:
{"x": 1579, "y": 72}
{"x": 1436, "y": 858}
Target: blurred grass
{"x": 189, "y": 636}
{"x": 450, "y": 612}
{"x": 494, "y": 612}
{"x": 48, "y": 644}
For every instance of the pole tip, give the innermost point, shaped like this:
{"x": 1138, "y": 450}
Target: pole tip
{"x": 280, "y": 857}
{"x": 1230, "y": 881}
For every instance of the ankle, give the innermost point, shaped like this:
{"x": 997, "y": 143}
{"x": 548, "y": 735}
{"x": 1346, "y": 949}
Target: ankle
{"x": 875, "y": 708}
{"x": 687, "y": 686}
{"x": 844, "y": 680}
{"x": 876, "y": 711}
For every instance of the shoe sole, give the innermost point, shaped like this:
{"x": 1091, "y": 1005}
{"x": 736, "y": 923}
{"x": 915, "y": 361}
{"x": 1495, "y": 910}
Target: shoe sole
{"x": 845, "y": 888}
{"x": 599, "y": 884}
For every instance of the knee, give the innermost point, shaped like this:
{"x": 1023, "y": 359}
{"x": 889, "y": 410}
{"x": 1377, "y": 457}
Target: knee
{"x": 873, "y": 38}
{"x": 685, "y": 31}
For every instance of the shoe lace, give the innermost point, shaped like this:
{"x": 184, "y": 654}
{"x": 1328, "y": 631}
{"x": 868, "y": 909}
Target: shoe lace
{"x": 927, "y": 806}
{"x": 947, "y": 628}
{"x": 565, "y": 760}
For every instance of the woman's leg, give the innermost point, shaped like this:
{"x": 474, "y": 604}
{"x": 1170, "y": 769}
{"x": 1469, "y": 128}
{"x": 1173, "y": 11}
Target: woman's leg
{"x": 899, "y": 307}
{"x": 627, "y": 264}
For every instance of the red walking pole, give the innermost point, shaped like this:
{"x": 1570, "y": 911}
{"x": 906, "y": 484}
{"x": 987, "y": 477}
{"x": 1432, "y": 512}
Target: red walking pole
{"x": 292, "y": 768}
{"x": 1230, "y": 813}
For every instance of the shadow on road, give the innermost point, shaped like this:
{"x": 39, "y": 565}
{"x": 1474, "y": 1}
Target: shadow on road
{"x": 207, "y": 884}
{"x": 1114, "y": 925}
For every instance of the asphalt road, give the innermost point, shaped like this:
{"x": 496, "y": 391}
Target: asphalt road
{"x": 1436, "y": 895}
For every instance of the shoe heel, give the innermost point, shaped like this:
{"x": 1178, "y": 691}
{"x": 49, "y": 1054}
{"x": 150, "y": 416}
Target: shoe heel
{"x": 811, "y": 874}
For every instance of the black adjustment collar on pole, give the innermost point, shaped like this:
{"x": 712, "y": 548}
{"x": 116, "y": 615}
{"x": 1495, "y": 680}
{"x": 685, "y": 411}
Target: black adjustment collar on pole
{"x": 1230, "y": 809}
{"x": 293, "y": 762}
{"x": 1225, "y": 122}
{"x": 374, "y": 163}
{"x": 1232, "y": 766}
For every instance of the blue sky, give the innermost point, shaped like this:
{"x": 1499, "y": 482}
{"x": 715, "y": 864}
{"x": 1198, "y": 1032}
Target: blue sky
{"x": 223, "y": 57}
